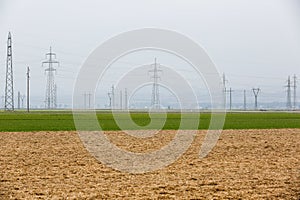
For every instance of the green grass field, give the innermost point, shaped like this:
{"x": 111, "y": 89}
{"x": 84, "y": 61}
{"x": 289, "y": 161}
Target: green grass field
{"x": 63, "y": 120}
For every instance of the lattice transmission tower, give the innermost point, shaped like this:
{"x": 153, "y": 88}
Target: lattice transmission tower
{"x": 155, "y": 100}
{"x": 288, "y": 94}
{"x": 295, "y": 92}
{"x": 9, "y": 83}
{"x": 50, "y": 97}
{"x": 255, "y": 92}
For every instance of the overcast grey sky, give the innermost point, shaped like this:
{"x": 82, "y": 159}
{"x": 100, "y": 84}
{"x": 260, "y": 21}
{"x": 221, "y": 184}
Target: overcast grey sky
{"x": 255, "y": 42}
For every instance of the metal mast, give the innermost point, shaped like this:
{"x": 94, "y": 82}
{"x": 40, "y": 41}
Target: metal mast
{"x": 50, "y": 97}
{"x": 9, "y": 84}
{"x": 224, "y": 81}
{"x": 295, "y": 93}
{"x": 89, "y": 95}
{"x": 55, "y": 96}
{"x": 28, "y": 78}
{"x": 155, "y": 101}
{"x": 19, "y": 100}
{"x": 288, "y": 97}
{"x": 126, "y": 99}
{"x": 230, "y": 97}
{"x": 113, "y": 97}
{"x": 121, "y": 100}
{"x": 256, "y": 92}
{"x": 245, "y": 100}
{"x": 109, "y": 98}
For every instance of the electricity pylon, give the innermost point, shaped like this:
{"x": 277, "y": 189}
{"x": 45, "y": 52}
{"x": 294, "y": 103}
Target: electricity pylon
{"x": 125, "y": 99}
{"x": 288, "y": 95}
{"x": 9, "y": 83}
{"x": 245, "y": 100}
{"x": 50, "y": 97}
{"x": 256, "y": 92}
{"x": 295, "y": 92}
{"x": 230, "y": 97}
{"x": 28, "y": 92}
{"x": 155, "y": 101}
{"x": 224, "y": 81}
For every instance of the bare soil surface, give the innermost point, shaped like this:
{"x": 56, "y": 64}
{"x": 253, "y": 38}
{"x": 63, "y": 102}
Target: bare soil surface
{"x": 245, "y": 164}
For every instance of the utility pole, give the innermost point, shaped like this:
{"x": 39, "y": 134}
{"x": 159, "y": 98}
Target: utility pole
{"x": 295, "y": 92}
{"x": 89, "y": 95}
{"x": 230, "y": 98}
{"x": 9, "y": 83}
{"x": 28, "y": 76}
{"x": 19, "y": 99}
{"x": 256, "y": 92}
{"x": 50, "y": 88}
{"x": 224, "y": 81}
{"x": 109, "y": 97}
{"x": 22, "y": 100}
{"x": 85, "y": 95}
{"x": 121, "y": 100}
{"x": 245, "y": 103}
{"x": 84, "y": 100}
{"x": 288, "y": 100}
{"x": 112, "y": 97}
{"x": 126, "y": 99}
{"x": 155, "y": 100}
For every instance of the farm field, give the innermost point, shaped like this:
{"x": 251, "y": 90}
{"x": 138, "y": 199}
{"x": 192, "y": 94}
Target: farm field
{"x": 63, "y": 120}
{"x": 245, "y": 164}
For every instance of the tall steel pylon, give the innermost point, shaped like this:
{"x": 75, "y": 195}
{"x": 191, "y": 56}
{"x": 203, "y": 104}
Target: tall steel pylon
{"x": 55, "y": 96}
{"x": 255, "y": 92}
{"x": 289, "y": 96}
{"x": 111, "y": 96}
{"x": 50, "y": 98}
{"x": 295, "y": 92}
{"x": 155, "y": 100}
{"x": 224, "y": 81}
{"x": 9, "y": 84}
{"x": 245, "y": 100}
{"x": 230, "y": 97}
{"x": 125, "y": 99}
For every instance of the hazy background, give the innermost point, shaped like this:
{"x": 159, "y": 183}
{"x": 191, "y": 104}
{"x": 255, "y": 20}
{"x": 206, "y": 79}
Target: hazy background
{"x": 256, "y": 43}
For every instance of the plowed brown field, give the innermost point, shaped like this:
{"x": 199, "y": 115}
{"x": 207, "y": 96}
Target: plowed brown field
{"x": 245, "y": 164}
